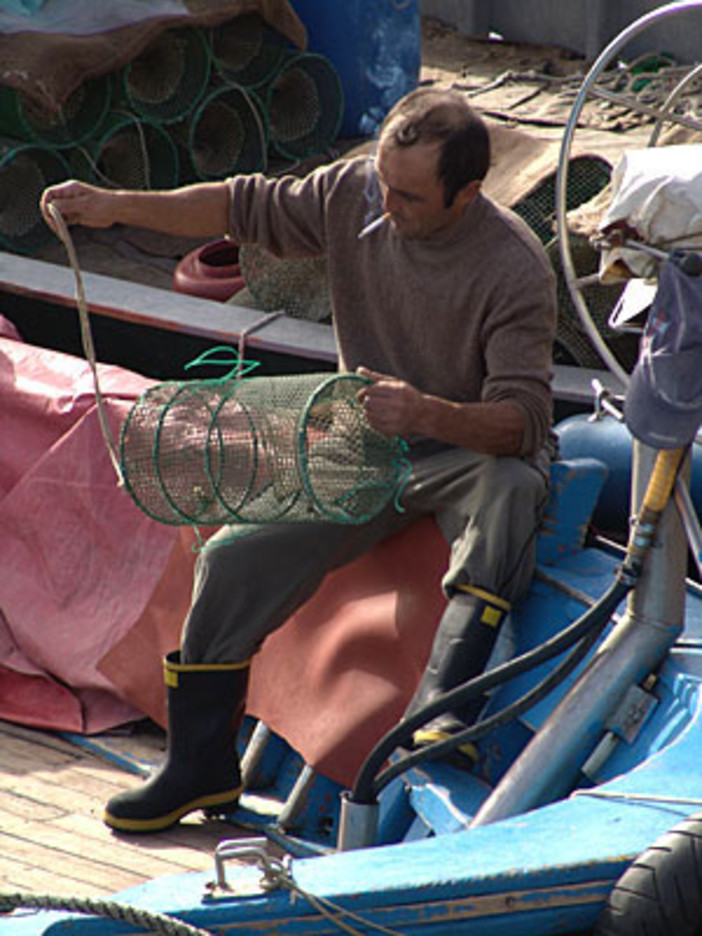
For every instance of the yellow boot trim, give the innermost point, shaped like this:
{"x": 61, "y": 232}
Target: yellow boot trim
{"x": 426, "y": 736}
{"x": 495, "y": 609}
{"x": 228, "y": 800}
{"x": 171, "y": 671}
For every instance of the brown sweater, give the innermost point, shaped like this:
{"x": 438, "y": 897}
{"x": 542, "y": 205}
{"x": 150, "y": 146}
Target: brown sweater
{"x": 467, "y": 315}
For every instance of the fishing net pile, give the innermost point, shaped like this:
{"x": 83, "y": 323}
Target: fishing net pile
{"x": 258, "y": 450}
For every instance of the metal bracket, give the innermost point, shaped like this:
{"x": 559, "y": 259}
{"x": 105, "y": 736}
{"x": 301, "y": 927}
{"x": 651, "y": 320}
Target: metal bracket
{"x": 274, "y": 871}
{"x": 624, "y": 725}
{"x": 604, "y": 403}
{"x": 633, "y": 712}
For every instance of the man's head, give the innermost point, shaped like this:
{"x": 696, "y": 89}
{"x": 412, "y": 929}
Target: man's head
{"x": 433, "y": 153}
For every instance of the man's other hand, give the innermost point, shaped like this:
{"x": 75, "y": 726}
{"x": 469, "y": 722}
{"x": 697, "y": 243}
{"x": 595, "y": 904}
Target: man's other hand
{"x": 391, "y": 406}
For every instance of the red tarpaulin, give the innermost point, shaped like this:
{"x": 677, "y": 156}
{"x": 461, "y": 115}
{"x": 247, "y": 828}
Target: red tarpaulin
{"x": 93, "y": 592}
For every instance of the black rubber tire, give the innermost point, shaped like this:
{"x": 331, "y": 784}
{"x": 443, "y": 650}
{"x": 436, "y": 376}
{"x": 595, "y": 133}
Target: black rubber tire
{"x": 660, "y": 894}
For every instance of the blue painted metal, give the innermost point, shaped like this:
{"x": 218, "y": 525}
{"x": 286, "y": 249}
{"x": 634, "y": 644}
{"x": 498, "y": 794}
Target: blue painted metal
{"x": 545, "y": 871}
{"x": 609, "y": 441}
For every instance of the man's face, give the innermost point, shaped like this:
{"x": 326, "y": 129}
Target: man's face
{"x": 413, "y": 194}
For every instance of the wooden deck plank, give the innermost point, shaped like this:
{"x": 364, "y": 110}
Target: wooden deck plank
{"x": 20, "y": 877}
{"x": 48, "y": 851}
{"x": 52, "y": 838}
{"x": 105, "y": 850}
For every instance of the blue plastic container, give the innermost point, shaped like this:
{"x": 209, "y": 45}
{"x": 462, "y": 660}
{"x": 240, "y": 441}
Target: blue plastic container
{"x": 610, "y": 441}
{"x": 375, "y": 46}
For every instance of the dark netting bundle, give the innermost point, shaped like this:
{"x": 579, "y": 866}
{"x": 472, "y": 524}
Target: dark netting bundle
{"x": 258, "y": 450}
{"x": 299, "y": 287}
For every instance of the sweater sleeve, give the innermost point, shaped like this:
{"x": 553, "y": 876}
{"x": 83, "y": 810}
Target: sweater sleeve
{"x": 285, "y": 215}
{"x": 518, "y": 346}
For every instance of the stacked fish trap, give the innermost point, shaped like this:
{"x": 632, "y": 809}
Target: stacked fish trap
{"x": 258, "y": 450}
{"x": 25, "y": 171}
{"x": 194, "y": 104}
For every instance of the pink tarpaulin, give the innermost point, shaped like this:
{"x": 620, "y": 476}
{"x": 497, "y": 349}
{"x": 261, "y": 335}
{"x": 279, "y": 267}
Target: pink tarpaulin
{"x": 79, "y": 561}
{"x": 93, "y": 592}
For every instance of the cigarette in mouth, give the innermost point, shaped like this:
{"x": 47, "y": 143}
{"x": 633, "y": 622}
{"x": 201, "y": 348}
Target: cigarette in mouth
{"x": 373, "y": 226}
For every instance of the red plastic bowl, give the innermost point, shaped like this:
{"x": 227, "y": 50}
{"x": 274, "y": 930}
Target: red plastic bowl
{"x": 211, "y": 271}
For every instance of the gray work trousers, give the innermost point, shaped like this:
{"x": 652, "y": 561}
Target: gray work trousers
{"x": 250, "y": 580}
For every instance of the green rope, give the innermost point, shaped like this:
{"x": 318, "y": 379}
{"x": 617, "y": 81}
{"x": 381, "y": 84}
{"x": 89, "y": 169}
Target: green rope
{"x": 123, "y": 913}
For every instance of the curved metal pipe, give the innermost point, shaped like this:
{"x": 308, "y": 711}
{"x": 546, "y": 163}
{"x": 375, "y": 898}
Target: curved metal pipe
{"x": 597, "y": 68}
{"x": 548, "y": 767}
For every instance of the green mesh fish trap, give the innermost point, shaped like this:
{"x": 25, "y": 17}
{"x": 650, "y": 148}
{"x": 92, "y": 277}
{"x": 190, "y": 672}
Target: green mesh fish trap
{"x": 227, "y": 134}
{"x": 25, "y": 171}
{"x": 80, "y": 116}
{"x": 128, "y": 152}
{"x": 587, "y": 175}
{"x": 165, "y": 82}
{"x": 299, "y": 286}
{"x": 245, "y": 51}
{"x": 305, "y": 105}
{"x": 258, "y": 450}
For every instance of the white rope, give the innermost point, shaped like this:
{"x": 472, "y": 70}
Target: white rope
{"x": 279, "y": 874}
{"x": 87, "y": 338}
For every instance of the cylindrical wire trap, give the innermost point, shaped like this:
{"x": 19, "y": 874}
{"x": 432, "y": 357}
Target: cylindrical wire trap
{"x": 128, "y": 152}
{"x": 25, "y": 171}
{"x": 304, "y": 103}
{"x": 245, "y": 51}
{"x": 257, "y": 450}
{"x": 226, "y": 134}
{"x": 78, "y": 118}
{"x": 165, "y": 82}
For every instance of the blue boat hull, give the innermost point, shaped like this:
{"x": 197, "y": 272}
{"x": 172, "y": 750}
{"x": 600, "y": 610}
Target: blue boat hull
{"x": 546, "y": 871}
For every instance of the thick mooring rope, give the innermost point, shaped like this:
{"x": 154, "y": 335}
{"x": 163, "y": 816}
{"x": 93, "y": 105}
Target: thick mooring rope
{"x": 123, "y": 913}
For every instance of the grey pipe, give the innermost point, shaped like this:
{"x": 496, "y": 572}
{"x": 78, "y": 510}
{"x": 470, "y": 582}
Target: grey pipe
{"x": 549, "y": 766}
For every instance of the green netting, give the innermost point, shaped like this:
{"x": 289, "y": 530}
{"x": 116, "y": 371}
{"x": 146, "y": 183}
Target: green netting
{"x": 305, "y": 105}
{"x": 80, "y": 116}
{"x": 573, "y": 345}
{"x": 169, "y": 77}
{"x": 299, "y": 287}
{"x": 25, "y": 171}
{"x": 129, "y": 152}
{"x": 587, "y": 176}
{"x": 245, "y": 51}
{"x": 226, "y": 134}
{"x": 258, "y": 450}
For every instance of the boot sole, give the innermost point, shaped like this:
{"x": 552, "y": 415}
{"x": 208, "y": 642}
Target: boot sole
{"x": 213, "y": 803}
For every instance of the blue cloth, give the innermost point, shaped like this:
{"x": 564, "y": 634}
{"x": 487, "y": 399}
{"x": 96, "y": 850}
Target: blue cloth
{"x": 663, "y": 405}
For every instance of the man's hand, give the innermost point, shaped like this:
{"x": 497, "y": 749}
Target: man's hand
{"x": 392, "y": 406}
{"x": 78, "y": 203}
{"x": 395, "y": 407}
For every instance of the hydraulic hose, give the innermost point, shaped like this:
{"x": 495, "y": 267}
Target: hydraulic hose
{"x": 510, "y": 712}
{"x": 586, "y": 629}
{"x": 593, "y": 619}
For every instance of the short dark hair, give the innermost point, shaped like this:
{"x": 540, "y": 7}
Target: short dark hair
{"x": 432, "y": 115}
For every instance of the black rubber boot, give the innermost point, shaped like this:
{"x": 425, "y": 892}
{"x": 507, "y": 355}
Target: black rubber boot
{"x": 462, "y": 646}
{"x": 201, "y": 770}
